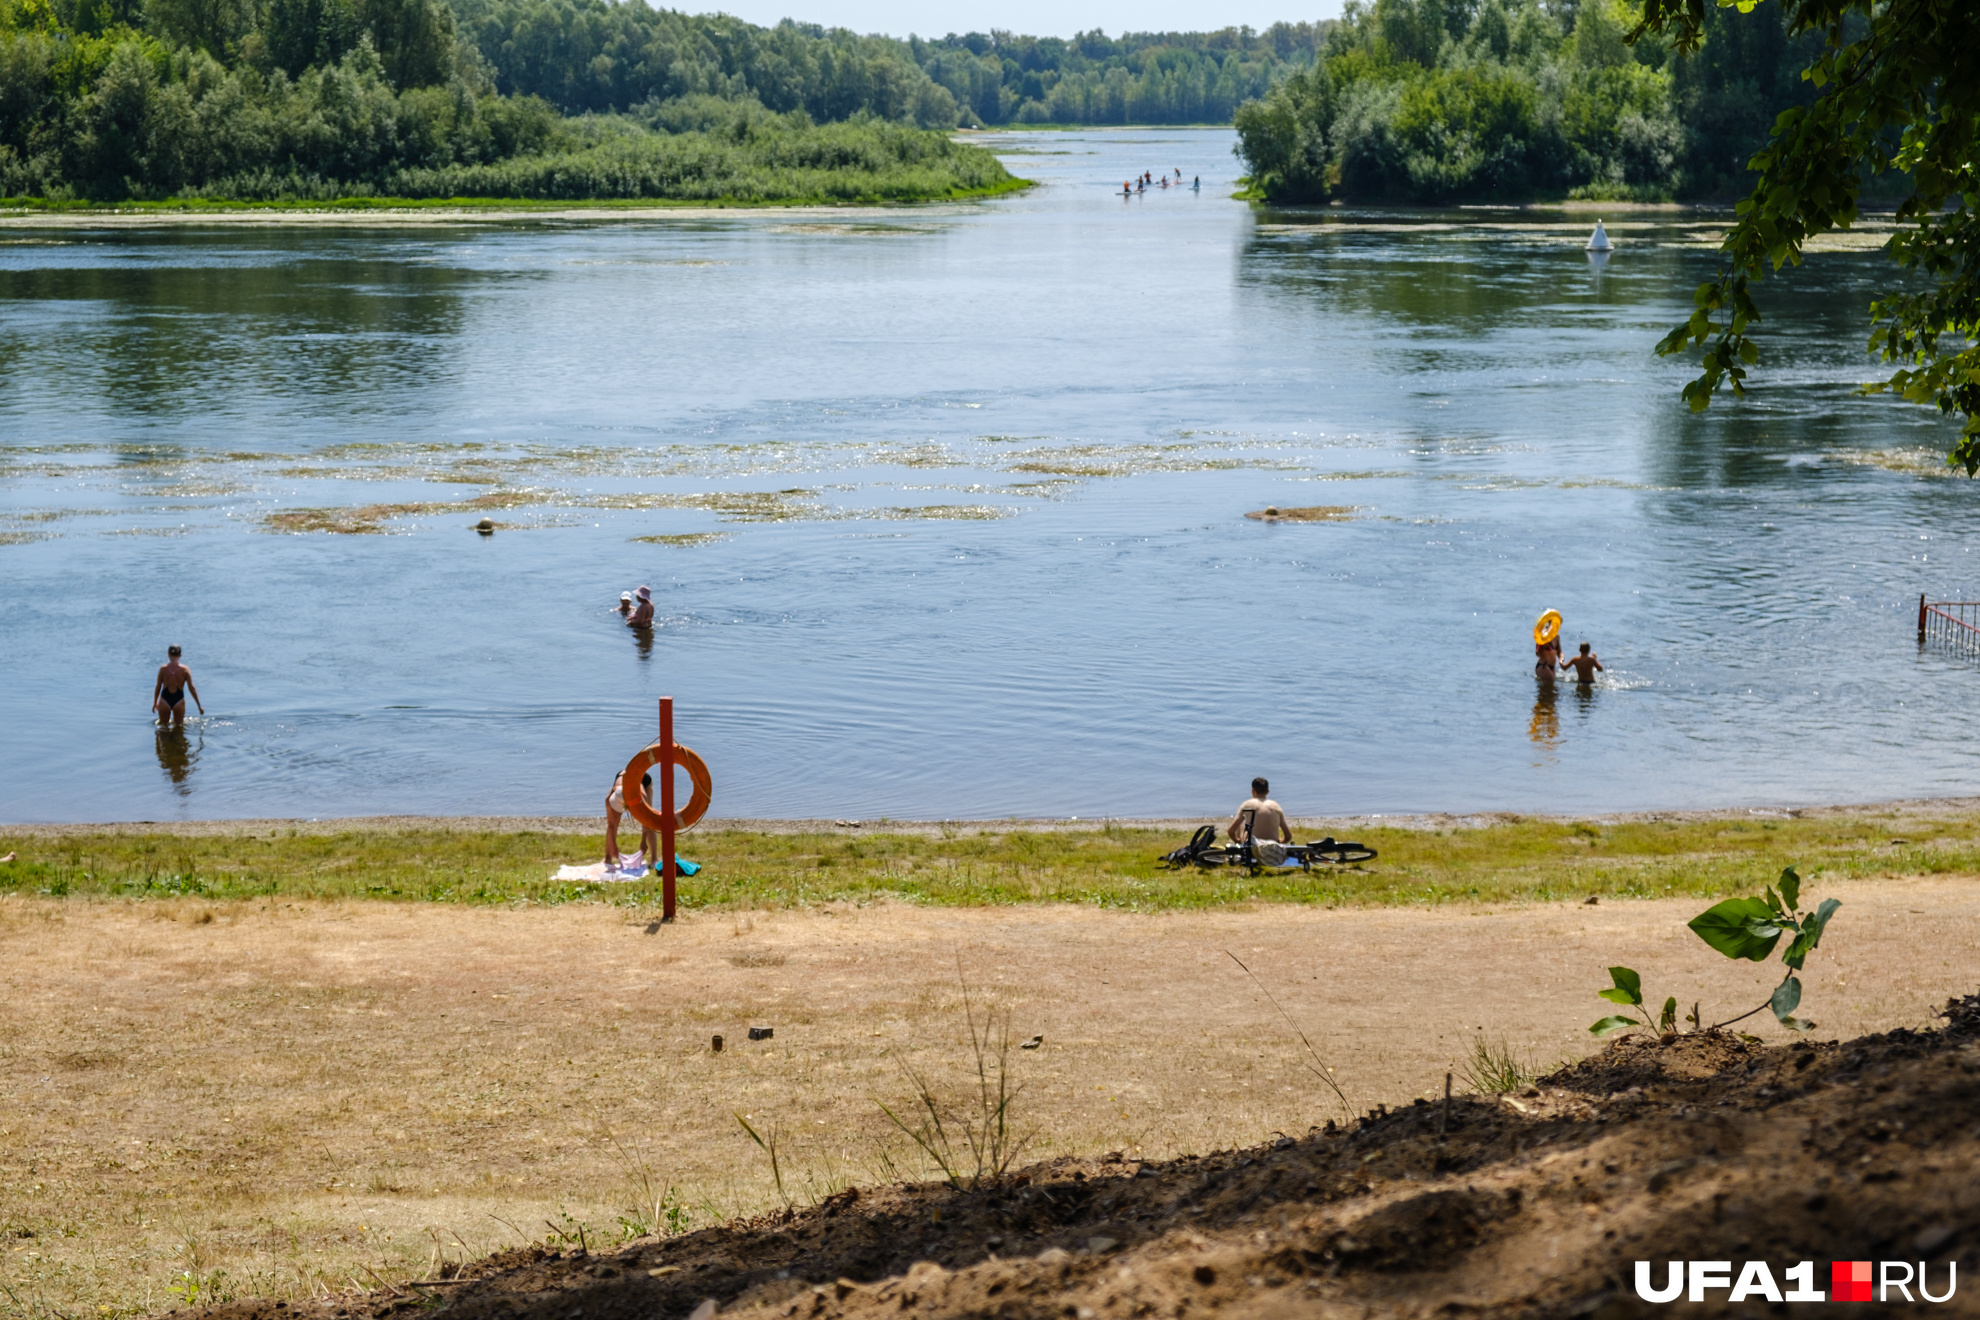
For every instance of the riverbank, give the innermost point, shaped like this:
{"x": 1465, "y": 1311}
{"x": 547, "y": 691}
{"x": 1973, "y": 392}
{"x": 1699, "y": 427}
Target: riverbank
{"x": 1424, "y": 860}
{"x": 288, "y": 1099}
{"x": 17, "y": 213}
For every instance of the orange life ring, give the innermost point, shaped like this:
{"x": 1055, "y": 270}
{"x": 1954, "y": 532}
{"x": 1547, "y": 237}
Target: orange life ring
{"x": 649, "y": 816}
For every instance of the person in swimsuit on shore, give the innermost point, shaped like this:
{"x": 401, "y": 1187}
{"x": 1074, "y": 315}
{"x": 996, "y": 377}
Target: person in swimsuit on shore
{"x": 168, "y": 695}
{"x": 615, "y": 807}
{"x": 1263, "y": 822}
{"x": 1585, "y": 666}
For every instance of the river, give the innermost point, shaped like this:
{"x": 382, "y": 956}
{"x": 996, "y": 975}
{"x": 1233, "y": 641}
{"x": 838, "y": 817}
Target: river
{"x": 943, "y": 511}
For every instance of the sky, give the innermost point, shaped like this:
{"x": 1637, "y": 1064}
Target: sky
{"x": 1038, "y": 18}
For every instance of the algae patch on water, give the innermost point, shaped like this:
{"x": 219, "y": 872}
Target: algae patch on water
{"x": 684, "y": 538}
{"x": 1915, "y": 461}
{"x": 371, "y": 519}
{"x": 1310, "y": 513}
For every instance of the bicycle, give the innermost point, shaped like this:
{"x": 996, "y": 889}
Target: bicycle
{"x": 1203, "y": 850}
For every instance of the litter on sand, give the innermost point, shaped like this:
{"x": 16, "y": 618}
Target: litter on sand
{"x": 599, "y": 873}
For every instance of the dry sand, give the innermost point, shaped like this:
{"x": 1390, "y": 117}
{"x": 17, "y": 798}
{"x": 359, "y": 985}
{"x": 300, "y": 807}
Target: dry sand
{"x": 296, "y": 1093}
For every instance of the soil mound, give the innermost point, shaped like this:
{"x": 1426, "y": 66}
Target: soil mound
{"x": 1536, "y": 1204}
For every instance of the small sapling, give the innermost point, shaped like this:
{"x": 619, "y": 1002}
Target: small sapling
{"x": 1739, "y": 928}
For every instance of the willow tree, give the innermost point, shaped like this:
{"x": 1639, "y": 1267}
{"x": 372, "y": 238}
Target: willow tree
{"x": 1898, "y": 89}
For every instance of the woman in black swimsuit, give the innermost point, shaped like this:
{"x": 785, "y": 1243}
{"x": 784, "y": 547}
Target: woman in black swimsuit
{"x": 168, "y": 696}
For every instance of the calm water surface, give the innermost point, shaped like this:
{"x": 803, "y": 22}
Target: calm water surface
{"x": 944, "y": 513}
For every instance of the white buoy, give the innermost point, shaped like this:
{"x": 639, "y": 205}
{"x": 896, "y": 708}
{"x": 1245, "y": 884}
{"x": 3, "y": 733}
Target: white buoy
{"x": 1599, "y": 240}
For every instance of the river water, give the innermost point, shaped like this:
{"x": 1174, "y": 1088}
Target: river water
{"x": 943, "y": 512}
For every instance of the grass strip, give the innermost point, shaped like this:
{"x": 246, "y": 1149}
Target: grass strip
{"x": 1514, "y": 859}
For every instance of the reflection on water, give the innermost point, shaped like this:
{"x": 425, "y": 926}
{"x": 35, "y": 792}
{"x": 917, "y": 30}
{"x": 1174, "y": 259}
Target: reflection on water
{"x": 178, "y": 754}
{"x": 1545, "y": 726}
{"x": 952, "y": 523}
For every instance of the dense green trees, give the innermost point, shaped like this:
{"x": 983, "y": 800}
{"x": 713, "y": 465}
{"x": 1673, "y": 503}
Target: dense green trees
{"x": 604, "y": 55}
{"x": 316, "y": 98}
{"x": 252, "y": 99}
{"x": 1461, "y": 100}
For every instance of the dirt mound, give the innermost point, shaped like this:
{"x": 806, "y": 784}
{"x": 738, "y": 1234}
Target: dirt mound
{"x": 1536, "y": 1204}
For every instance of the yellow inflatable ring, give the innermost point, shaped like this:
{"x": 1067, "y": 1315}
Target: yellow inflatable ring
{"x": 636, "y": 807}
{"x": 1545, "y": 629}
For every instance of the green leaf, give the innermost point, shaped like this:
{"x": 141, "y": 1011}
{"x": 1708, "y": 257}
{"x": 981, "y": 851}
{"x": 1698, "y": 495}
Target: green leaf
{"x": 1787, "y": 998}
{"x": 1668, "y": 1020}
{"x": 1629, "y": 987}
{"x": 1609, "y": 1024}
{"x": 1791, "y": 889}
{"x": 1810, "y": 935}
{"x": 1798, "y": 1024}
{"x": 1739, "y": 928}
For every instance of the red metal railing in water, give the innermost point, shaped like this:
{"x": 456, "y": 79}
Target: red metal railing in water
{"x": 1956, "y": 622}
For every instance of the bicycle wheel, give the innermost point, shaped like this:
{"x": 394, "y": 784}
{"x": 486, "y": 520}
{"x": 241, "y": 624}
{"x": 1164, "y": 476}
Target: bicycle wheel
{"x": 1214, "y": 857}
{"x": 1343, "y": 854}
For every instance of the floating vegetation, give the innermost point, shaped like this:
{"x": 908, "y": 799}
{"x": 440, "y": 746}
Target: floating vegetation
{"x": 194, "y": 490}
{"x": 367, "y": 520}
{"x": 959, "y": 512}
{"x": 753, "y": 505}
{"x": 1310, "y": 513}
{"x": 180, "y": 530}
{"x": 855, "y": 229}
{"x": 1916, "y": 462}
{"x": 684, "y": 538}
{"x": 52, "y": 515}
{"x": 1132, "y": 460}
{"x": 22, "y": 538}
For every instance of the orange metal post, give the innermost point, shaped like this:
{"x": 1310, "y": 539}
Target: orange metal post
{"x": 666, "y": 808}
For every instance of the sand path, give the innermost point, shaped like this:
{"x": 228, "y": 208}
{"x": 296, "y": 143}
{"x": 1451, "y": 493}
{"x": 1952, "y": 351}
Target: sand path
{"x": 260, "y": 1080}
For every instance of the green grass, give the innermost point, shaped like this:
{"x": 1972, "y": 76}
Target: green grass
{"x": 1515, "y": 860}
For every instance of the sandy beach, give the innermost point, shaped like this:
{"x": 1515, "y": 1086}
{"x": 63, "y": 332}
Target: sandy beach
{"x": 296, "y": 1093}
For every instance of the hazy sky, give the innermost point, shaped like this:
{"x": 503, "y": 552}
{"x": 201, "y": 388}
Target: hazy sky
{"x": 1040, "y": 18}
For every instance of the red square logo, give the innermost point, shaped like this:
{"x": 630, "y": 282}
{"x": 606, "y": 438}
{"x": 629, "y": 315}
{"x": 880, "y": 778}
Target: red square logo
{"x": 1850, "y": 1280}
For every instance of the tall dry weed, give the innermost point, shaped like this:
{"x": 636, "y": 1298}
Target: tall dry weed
{"x": 973, "y": 1138}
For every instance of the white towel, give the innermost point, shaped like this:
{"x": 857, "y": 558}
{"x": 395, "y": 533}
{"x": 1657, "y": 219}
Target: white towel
{"x": 599, "y": 873}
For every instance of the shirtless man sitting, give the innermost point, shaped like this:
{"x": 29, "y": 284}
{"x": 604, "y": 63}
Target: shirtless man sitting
{"x": 1263, "y": 822}
{"x": 168, "y": 694}
{"x": 1585, "y": 665}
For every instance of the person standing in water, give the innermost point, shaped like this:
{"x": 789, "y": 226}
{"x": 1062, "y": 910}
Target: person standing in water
{"x": 642, "y": 615}
{"x": 1585, "y": 666}
{"x": 1547, "y": 658}
{"x": 168, "y": 694}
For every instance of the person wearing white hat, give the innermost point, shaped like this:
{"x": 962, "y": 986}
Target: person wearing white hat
{"x": 642, "y": 615}
{"x": 625, "y": 605}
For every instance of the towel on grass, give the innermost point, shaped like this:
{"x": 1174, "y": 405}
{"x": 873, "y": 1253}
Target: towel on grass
{"x": 629, "y": 869}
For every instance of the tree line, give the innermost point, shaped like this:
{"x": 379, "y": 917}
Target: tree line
{"x": 1420, "y": 100}
{"x": 599, "y": 56}
{"x": 310, "y": 99}
{"x": 1438, "y": 101}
